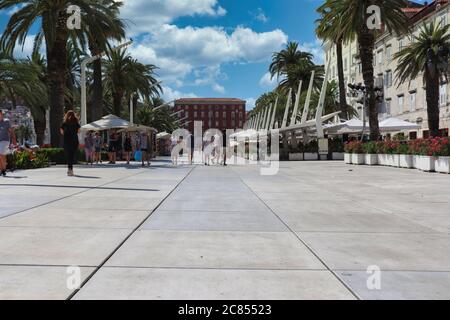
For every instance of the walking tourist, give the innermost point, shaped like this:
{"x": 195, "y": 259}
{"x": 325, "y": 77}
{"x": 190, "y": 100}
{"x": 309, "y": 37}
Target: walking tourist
{"x": 112, "y": 147}
{"x": 70, "y": 129}
{"x": 144, "y": 144}
{"x": 98, "y": 143}
{"x": 89, "y": 148}
{"x": 6, "y": 133}
{"x": 128, "y": 147}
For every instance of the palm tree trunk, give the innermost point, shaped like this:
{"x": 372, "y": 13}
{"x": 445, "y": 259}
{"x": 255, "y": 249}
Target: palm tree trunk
{"x": 342, "y": 88}
{"x": 366, "y": 41}
{"x": 135, "y": 105}
{"x": 97, "y": 92}
{"x": 432, "y": 92}
{"x": 117, "y": 103}
{"x": 39, "y": 128}
{"x": 57, "y": 70}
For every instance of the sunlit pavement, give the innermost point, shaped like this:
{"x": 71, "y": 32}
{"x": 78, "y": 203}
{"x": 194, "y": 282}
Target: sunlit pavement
{"x": 309, "y": 232}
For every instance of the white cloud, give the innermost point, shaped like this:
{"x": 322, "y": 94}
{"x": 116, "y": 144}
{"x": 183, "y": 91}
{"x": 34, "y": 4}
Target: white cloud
{"x": 251, "y": 102}
{"x": 218, "y": 88}
{"x": 316, "y": 49}
{"x": 260, "y": 16}
{"x": 200, "y": 52}
{"x": 171, "y": 94}
{"x": 146, "y": 15}
{"x": 267, "y": 81}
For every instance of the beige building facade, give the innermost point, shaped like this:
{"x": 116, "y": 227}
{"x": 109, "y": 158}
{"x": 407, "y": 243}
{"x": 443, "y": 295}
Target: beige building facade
{"x": 404, "y": 101}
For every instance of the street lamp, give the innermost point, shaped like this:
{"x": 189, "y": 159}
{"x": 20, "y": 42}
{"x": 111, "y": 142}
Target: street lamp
{"x": 132, "y": 103}
{"x": 84, "y": 64}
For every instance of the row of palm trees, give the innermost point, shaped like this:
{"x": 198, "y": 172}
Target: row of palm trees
{"x": 342, "y": 21}
{"x": 112, "y": 81}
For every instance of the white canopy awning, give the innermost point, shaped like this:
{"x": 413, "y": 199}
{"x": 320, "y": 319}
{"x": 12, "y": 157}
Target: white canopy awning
{"x": 395, "y": 124}
{"x": 163, "y": 135}
{"x": 106, "y": 123}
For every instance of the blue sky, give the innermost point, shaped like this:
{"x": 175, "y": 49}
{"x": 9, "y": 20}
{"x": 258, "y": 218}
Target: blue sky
{"x": 214, "y": 48}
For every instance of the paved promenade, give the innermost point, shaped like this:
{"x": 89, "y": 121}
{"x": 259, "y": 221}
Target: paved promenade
{"x": 309, "y": 232}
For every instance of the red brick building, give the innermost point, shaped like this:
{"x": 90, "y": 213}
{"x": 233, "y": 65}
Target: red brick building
{"x": 215, "y": 113}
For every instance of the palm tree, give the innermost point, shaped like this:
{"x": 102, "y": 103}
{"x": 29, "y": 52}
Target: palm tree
{"x": 328, "y": 30}
{"x": 126, "y": 77}
{"x": 428, "y": 53}
{"x": 52, "y": 16}
{"x": 353, "y": 21}
{"x": 292, "y": 66}
{"x": 98, "y": 33}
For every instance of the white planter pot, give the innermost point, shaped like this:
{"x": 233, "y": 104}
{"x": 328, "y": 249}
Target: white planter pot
{"x": 393, "y": 160}
{"x": 295, "y": 156}
{"x": 311, "y": 156}
{"x": 383, "y": 159}
{"x": 358, "y": 159}
{"x": 338, "y": 156}
{"x": 416, "y": 161}
{"x": 442, "y": 164}
{"x": 371, "y": 159}
{"x": 426, "y": 163}
{"x": 348, "y": 158}
{"x": 406, "y": 161}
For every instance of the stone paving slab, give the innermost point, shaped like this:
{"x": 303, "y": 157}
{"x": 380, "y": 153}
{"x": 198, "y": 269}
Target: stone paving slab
{"x": 58, "y": 246}
{"x": 389, "y": 251}
{"x": 214, "y": 221}
{"x": 76, "y": 218}
{"x": 401, "y": 285}
{"x": 201, "y": 284}
{"x": 36, "y": 282}
{"x": 228, "y": 250}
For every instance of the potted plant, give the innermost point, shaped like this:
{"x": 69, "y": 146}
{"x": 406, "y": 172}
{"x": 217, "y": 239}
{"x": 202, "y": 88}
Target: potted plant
{"x": 406, "y": 159}
{"x": 337, "y": 149}
{"x": 382, "y": 156}
{"x": 390, "y": 149}
{"x": 296, "y": 154}
{"x": 357, "y": 152}
{"x": 311, "y": 151}
{"x": 348, "y": 151}
{"x": 440, "y": 147}
{"x": 371, "y": 156}
{"x": 425, "y": 160}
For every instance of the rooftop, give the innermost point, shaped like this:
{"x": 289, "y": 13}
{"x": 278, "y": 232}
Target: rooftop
{"x": 209, "y": 101}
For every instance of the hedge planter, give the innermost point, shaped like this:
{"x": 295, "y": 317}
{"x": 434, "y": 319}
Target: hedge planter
{"x": 406, "y": 161}
{"x": 358, "y": 159}
{"x": 442, "y": 164}
{"x": 348, "y": 158}
{"x": 311, "y": 156}
{"x": 415, "y": 160}
{"x": 426, "y": 163}
{"x": 383, "y": 159}
{"x": 371, "y": 159}
{"x": 393, "y": 160}
{"x": 338, "y": 156}
{"x": 296, "y": 157}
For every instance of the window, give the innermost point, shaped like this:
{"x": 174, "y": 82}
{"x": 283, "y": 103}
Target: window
{"x": 388, "y": 53}
{"x": 400, "y": 104}
{"x": 224, "y": 115}
{"x": 195, "y": 114}
{"x": 388, "y": 79}
{"x": 380, "y": 57}
{"x": 443, "y": 20}
{"x": 443, "y": 95}
{"x": 412, "y": 101}
{"x": 401, "y": 44}
{"x": 388, "y": 106}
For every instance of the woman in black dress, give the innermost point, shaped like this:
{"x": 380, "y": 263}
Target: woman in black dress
{"x": 70, "y": 129}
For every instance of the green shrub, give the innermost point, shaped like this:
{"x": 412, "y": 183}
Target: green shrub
{"x": 336, "y": 145}
{"x": 26, "y": 160}
{"x": 370, "y": 148}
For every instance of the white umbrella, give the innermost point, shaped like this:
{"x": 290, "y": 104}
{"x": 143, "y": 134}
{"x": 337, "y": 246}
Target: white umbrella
{"x": 395, "y": 124}
{"x": 106, "y": 123}
{"x": 163, "y": 135}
